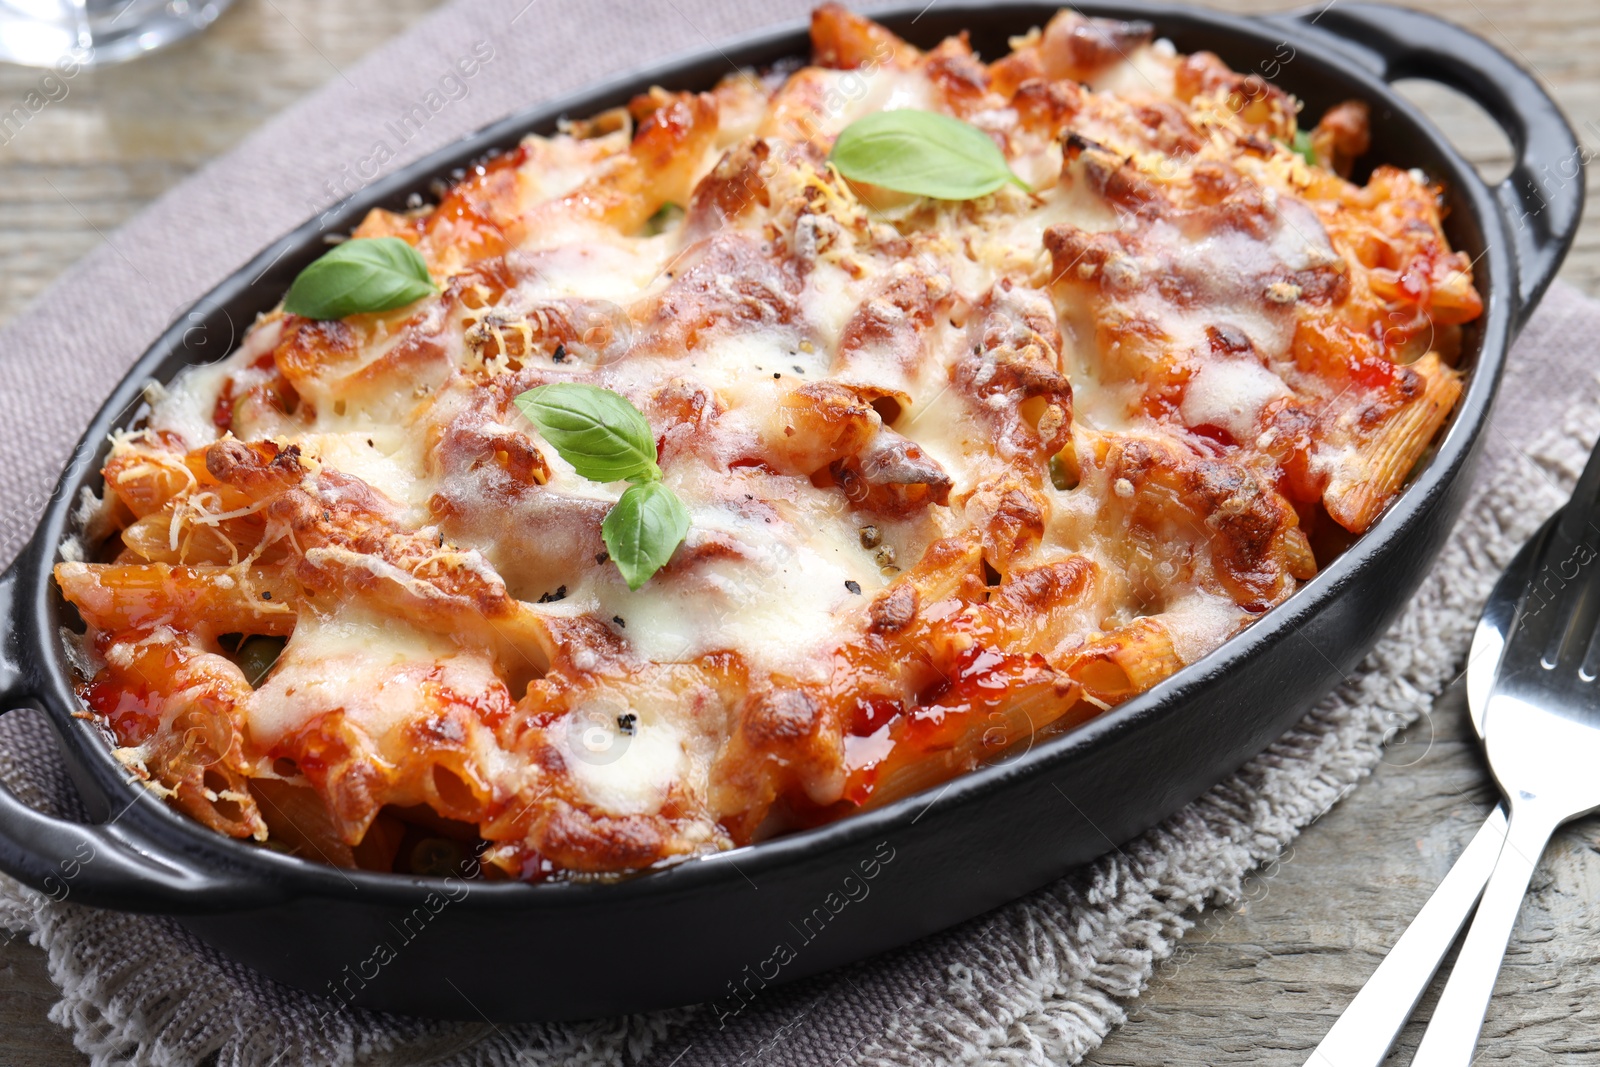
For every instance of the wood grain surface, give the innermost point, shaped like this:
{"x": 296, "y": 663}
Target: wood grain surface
{"x": 1255, "y": 984}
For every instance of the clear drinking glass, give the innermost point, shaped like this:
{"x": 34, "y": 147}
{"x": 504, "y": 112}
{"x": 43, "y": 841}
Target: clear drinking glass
{"x": 48, "y": 33}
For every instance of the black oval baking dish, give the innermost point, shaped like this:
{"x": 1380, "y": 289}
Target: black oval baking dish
{"x": 814, "y": 900}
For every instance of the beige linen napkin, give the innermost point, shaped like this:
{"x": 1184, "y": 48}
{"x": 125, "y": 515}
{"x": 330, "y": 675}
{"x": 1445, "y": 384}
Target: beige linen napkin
{"x": 1040, "y": 981}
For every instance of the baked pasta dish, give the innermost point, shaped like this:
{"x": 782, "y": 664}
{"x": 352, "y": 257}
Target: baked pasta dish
{"x": 915, "y": 478}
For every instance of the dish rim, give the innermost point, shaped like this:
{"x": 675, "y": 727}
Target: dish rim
{"x": 41, "y": 611}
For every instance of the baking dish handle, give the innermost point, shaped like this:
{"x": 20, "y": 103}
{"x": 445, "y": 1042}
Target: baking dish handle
{"x": 108, "y": 864}
{"x": 1542, "y": 197}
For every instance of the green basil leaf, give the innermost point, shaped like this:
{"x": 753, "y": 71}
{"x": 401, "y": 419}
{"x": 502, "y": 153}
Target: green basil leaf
{"x": 604, "y": 437}
{"x": 607, "y": 439}
{"x": 666, "y": 217}
{"x": 643, "y": 529}
{"x": 365, "y": 274}
{"x": 256, "y": 657}
{"x": 923, "y": 153}
{"x": 1302, "y": 148}
{"x": 1062, "y": 476}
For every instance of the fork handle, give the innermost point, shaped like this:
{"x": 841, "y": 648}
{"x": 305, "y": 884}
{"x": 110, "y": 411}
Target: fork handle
{"x": 1366, "y": 1030}
{"x": 1452, "y": 1035}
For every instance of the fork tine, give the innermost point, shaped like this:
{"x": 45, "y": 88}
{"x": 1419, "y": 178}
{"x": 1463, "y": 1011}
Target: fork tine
{"x": 1578, "y": 518}
{"x": 1572, "y": 638}
{"x": 1591, "y": 660}
{"x": 1539, "y": 603}
{"x": 1580, "y": 530}
{"x": 1560, "y": 609}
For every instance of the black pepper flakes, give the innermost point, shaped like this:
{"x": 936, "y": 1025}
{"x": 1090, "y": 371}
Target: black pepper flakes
{"x": 776, "y": 375}
{"x": 853, "y": 585}
{"x": 551, "y": 598}
{"x": 619, "y": 621}
{"x": 601, "y": 557}
{"x": 560, "y": 354}
{"x": 266, "y": 594}
{"x": 799, "y": 369}
{"x": 625, "y": 722}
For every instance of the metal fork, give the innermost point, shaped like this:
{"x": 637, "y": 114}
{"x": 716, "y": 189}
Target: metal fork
{"x": 1541, "y": 730}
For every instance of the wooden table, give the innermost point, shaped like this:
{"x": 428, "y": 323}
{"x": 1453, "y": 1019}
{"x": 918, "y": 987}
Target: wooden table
{"x": 1256, "y": 984}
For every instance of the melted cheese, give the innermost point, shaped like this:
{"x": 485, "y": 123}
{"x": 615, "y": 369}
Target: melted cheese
{"x": 368, "y": 667}
{"x": 622, "y": 770}
{"x": 1230, "y": 394}
{"x": 184, "y": 410}
{"x": 780, "y": 602}
{"x": 383, "y": 457}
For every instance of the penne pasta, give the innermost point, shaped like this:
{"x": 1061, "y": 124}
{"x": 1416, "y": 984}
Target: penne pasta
{"x": 207, "y": 600}
{"x": 1390, "y": 450}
